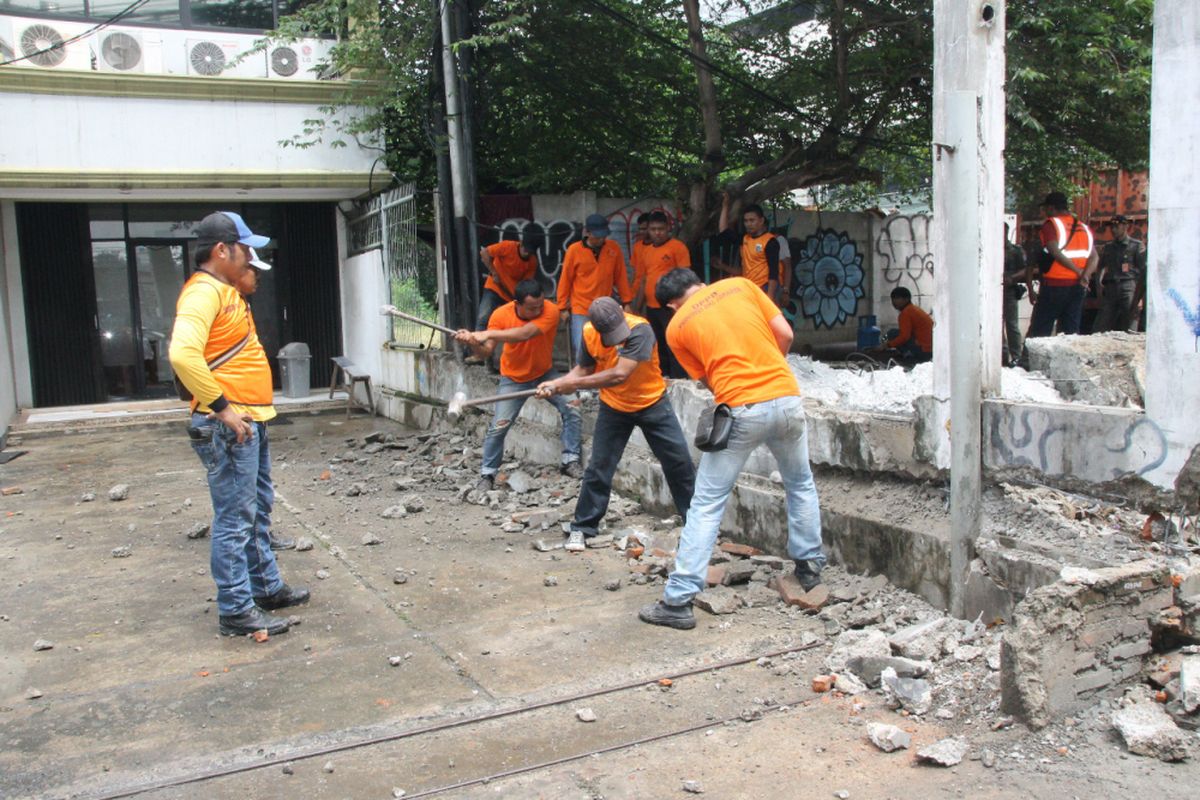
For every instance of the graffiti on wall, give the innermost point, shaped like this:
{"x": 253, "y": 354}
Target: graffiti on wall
{"x": 905, "y": 257}
{"x": 828, "y": 277}
{"x": 1028, "y": 437}
{"x": 1190, "y": 315}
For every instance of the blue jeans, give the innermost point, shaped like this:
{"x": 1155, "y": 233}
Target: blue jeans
{"x": 780, "y": 425}
{"x": 577, "y": 323}
{"x": 1061, "y": 304}
{"x": 613, "y": 428}
{"x": 506, "y": 414}
{"x": 239, "y": 481}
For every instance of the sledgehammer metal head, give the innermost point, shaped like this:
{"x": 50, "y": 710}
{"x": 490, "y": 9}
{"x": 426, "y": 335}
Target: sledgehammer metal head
{"x": 455, "y": 407}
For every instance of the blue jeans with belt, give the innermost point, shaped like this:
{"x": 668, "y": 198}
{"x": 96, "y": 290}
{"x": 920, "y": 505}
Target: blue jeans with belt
{"x": 779, "y": 424}
{"x": 506, "y": 414}
{"x": 239, "y": 482}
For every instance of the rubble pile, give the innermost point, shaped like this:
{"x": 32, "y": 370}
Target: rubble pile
{"x": 1105, "y": 369}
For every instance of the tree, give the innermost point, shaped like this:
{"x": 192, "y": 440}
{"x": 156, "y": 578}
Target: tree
{"x": 633, "y": 98}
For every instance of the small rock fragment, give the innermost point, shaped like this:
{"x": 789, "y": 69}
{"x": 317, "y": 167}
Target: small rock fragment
{"x": 322, "y": 574}
{"x": 328, "y": 766}
{"x": 520, "y": 482}
{"x": 987, "y": 758}
{"x": 613, "y": 585}
{"x": 198, "y": 531}
{"x": 288, "y": 769}
{"x": 550, "y": 580}
{"x": 119, "y": 492}
{"x": 413, "y": 503}
{"x": 399, "y": 577}
{"x": 693, "y": 787}
{"x": 912, "y": 694}
{"x": 842, "y": 794}
{"x": 719, "y": 600}
{"x": 1149, "y": 731}
{"x": 43, "y": 644}
{"x": 87, "y": 497}
{"x": 394, "y": 512}
{"x": 395, "y": 661}
{"x": 397, "y": 792}
{"x": 370, "y": 539}
{"x": 848, "y": 683}
{"x": 32, "y": 693}
{"x": 124, "y": 551}
{"x": 888, "y": 738}
{"x": 303, "y": 544}
{"x": 599, "y": 540}
{"x": 944, "y": 752}
{"x": 585, "y": 715}
{"x": 261, "y": 636}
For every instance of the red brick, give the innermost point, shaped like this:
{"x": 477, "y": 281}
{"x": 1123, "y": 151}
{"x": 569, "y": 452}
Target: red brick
{"x": 793, "y": 593}
{"x": 823, "y": 683}
{"x": 716, "y": 575}
{"x": 744, "y": 550}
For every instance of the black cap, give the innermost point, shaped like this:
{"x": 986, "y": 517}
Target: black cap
{"x": 1119, "y": 218}
{"x": 609, "y": 321}
{"x": 1055, "y": 200}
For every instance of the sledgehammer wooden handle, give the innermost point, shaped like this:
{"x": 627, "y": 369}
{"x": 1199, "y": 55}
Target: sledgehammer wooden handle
{"x": 395, "y": 312}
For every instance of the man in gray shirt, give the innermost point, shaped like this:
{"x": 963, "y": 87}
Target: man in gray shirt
{"x": 619, "y": 357}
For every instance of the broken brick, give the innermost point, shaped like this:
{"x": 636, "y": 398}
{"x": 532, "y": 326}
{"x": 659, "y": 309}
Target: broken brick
{"x": 744, "y": 550}
{"x": 792, "y": 593}
{"x": 823, "y": 683}
{"x": 716, "y": 575}
{"x": 261, "y": 636}
{"x": 8, "y": 491}
{"x": 635, "y": 552}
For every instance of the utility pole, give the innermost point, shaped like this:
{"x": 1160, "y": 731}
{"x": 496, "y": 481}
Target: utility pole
{"x": 464, "y": 257}
{"x": 968, "y": 192}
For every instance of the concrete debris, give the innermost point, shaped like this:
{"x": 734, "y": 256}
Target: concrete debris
{"x": 542, "y": 546}
{"x": 888, "y": 738}
{"x": 520, "y": 482}
{"x": 87, "y": 497}
{"x": 848, "y": 683}
{"x": 328, "y": 766}
{"x": 871, "y": 668}
{"x": 743, "y": 550}
{"x": 718, "y": 600}
{"x": 550, "y": 580}
{"x": 303, "y": 544}
{"x": 585, "y": 715}
{"x": 32, "y": 693}
{"x": 773, "y": 562}
{"x": 693, "y": 787}
{"x": 119, "y": 492}
{"x": 612, "y": 585}
{"x": 738, "y": 571}
{"x": 914, "y": 695}
{"x": 599, "y": 540}
{"x": 842, "y": 794}
{"x": 1189, "y": 683}
{"x": 944, "y": 753}
{"x": 1149, "y": 731}
{"x": 370, "y": 539}
{"x": 987, "y": 758}
{"x": 922, "y": 641}
{"x": 967, "y": 652}
{"x": 1187, "y": 484}
{"x": 397, "y": 792}
{"x": 413, "y": 503}
{"x": 1099, "y": 369}
{"x": 124, "y": 551}
{"x": 395, "y": 661}
{"x": 322, "y": 574}
{"x": 355, "y": 490}
{"x": 400, "y": 576}
{"x": 759, "y": 596}
{"x": 394, "y": 512}
{"x": 539, "y": 518}
{"x": 43, "y": 644}
{"x": 198, "y": 531}
{"x": 867, "y": 643}
{"x": 288, "y": 769}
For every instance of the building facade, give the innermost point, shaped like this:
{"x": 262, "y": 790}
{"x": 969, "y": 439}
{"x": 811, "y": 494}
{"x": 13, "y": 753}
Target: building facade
{"x": 117, "y": 138}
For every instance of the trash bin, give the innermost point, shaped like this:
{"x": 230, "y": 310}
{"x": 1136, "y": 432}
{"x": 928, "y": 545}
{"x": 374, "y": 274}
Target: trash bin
{"x": 294, "y": 361}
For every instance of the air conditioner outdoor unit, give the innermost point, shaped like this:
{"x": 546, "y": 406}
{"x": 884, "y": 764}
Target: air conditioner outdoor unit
{"x": 121, "y": 51}
{"x": 213, "y": 58}
{"x": 48, "y": 45}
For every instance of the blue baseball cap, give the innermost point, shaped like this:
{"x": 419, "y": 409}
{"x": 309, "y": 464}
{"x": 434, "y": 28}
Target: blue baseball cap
{"x": 227, "y": 226}
{"x": 596, "y": 225}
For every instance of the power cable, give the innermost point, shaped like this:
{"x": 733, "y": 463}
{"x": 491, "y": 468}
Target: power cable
{"x": 120, "y": 15}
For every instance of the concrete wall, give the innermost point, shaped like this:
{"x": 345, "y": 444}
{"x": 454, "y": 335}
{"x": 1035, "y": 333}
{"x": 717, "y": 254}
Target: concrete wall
{"x": 832, "y": 276}
{"x": 364, "y": 290}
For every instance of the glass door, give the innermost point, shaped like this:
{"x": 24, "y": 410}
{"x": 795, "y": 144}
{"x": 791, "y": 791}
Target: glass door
{"x": 160, "y": 270}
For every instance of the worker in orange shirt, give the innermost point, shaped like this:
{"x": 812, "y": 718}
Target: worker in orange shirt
{"x": 663, "y": 254}
{"x": 592, "y": 267}
{"x": 731, "y": 336}
{"x": 619, "y": 357}
{"x": 759, "y": 248}
{"x": 914, "y": 339}
{"x": 641, "y": 241}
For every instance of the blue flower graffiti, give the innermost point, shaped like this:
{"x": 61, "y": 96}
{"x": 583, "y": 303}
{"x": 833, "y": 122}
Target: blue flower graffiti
{"x": 829, "y": 278}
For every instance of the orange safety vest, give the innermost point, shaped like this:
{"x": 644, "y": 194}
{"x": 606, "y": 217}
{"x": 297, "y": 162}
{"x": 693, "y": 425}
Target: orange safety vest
{"x": 754, "y": 259}
{"x": 644, "y": 385}
{"x": 1077, "y": 249}
{"x": 245, "y": 379}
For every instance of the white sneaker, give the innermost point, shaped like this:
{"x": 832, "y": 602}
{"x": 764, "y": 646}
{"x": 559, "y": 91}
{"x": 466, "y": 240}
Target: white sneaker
{"x": 575, "y": 543}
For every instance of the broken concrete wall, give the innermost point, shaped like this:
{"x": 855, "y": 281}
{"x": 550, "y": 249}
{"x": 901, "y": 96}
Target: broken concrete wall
{"x": 1078, "y": 637}
{"x": 1091, "y": 444}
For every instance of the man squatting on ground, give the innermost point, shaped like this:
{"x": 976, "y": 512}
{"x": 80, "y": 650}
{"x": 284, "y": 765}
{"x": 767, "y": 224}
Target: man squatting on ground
{"x": 526, "y": 327}
{"x": 731, "y": 336}
{"x": 619, "y": 357}
{"x": 217, "y": 356}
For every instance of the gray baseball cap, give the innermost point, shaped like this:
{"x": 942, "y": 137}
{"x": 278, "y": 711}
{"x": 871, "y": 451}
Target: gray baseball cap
{"x": 609, "y": 320}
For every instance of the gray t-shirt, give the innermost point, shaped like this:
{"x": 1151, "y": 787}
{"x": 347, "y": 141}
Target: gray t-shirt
{"x": 639, "y": 347}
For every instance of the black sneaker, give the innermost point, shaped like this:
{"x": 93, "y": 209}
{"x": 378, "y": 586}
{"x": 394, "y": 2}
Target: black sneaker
{"x": 573, "y": 469}
{"x": 287, "y": 596}
{"x": 808, "y": 574}
{"x": 250, "y": 621}
{"x": 660, "y": 613}
{"x": 485, "y": 483}
{"x": 281, "y": 543}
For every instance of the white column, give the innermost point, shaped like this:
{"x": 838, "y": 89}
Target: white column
{"x": 967, "y": 244}
{"x": 1173, "y": 286}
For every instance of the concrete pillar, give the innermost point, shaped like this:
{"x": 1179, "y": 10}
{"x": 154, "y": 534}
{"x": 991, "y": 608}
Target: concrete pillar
{"x": 967, "y": 244}
{"x": 1173, "y": 286}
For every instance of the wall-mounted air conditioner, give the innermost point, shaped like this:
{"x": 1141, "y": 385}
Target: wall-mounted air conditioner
{"x": 52, "y": 45}
{"x": 120, "y": 51}
{"x": 297, "y": 60}
{"x": 220, "y": 58}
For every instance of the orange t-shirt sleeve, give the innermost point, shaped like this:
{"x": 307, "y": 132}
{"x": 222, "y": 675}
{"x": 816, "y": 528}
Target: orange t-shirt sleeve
{"x": 769, "y": 310}
{"x": 622, "y": 278}
{"x": 565, "y": 278}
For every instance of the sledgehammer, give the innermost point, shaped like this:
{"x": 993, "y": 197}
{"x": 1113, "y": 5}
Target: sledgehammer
{"x": 459, "y": 401}
{"x": 395, "y": 312}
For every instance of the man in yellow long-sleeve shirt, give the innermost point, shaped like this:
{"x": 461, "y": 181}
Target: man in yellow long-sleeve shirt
{"x": 216, "y": 354}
